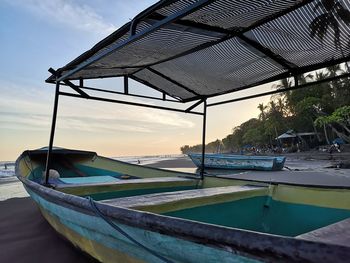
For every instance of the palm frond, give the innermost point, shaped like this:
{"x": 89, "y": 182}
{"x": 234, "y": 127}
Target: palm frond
{"x": 320, "y": 25}
{"x": 335, "y": 25}
{"x": 328, "y": 4}
{"x": 343, "y": 13}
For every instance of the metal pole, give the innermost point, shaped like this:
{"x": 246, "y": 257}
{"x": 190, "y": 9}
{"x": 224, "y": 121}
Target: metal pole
{"x": 129, "y": 103}
{"x": 296, "y": 81}
{"x": 297, "y": 85}
{"x": 203, "y": 137}
{"x": 52, "y": 134}
{"x": 126, "y": 85}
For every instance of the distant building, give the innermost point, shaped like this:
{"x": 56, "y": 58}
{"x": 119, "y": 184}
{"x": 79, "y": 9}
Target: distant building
{"x": 301, "y": 140}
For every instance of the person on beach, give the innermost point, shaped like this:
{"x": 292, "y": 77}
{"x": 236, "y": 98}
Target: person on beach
{"x": 334, "y": 147}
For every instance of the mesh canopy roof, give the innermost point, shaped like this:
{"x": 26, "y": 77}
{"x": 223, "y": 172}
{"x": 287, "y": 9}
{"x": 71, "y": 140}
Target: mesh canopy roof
{"x": 192, "y": 49}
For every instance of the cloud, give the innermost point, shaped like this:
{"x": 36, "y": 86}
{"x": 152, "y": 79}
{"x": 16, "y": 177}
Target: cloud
{"x": 111, "y": 111}
{"x": 68, "y": 13}
{"x": 31, "y": 121}
{"x": 30, "y": 108}
{"x": 167, "y": 118}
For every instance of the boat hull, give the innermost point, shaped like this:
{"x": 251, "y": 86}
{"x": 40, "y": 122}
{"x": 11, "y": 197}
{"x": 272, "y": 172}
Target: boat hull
{"x": 175, "y": 239}
{"x": 239, "y": 162}
{"x": 90, "y": 233}
{"x": 179, "y": 239}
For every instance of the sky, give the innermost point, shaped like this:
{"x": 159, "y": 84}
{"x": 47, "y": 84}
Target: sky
{"x": 36, "y": 35}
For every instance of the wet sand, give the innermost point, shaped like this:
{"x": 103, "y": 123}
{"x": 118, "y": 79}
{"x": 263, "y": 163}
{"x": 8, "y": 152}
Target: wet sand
{"x": 178, "y": 163}
{"x": 26, "y": 236}
{"x": 10, "y": 188}
{"x": 298, "y": 171}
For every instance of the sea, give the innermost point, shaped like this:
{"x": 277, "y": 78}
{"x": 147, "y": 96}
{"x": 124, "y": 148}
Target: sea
{"x": 7, "y": 169}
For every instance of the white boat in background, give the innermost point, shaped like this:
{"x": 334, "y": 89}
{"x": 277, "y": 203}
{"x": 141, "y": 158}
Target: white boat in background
{"x": 239, "y": 162}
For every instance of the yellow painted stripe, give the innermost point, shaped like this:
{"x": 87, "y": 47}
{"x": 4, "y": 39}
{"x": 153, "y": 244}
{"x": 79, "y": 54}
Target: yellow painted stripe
{"x": 96, "y": 250}
{"x": 26, "y": 165}
{"x": 200, "y": 201}
{"x": 130, "y": 169}
{"x": 332, "y": 198}
{"x": 84, "y": 190}
{"x": 218, "y": 182}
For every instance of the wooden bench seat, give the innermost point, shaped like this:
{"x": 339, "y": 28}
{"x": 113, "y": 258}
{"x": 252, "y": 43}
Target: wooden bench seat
{"x": 131, "y": 182}
{"x": 165, "y": 202}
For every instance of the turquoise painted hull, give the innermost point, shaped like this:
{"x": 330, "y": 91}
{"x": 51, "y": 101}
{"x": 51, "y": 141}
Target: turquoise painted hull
{"x": 183, "y": 219}
{"x": 175, "y": 239}
{"x": 239, "y": 162}
{"x": 93, "y": 228}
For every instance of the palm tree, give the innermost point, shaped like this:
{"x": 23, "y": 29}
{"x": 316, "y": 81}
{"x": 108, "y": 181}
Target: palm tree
{"x": 274, "y": 118}
{"x": 262, "y": 108}
{"x": 281, "y": 107}
{"x": 340, "y": 88}
{"x": 333, "y": 11}
{"x": 286, "y": 96}
{"x": 335, "y": 70}
{"x": 303, "y": 79}
{"x": 293, "y": 97}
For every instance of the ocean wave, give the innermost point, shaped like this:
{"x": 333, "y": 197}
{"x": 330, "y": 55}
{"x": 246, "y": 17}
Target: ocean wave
{"x": 7, "y": 169}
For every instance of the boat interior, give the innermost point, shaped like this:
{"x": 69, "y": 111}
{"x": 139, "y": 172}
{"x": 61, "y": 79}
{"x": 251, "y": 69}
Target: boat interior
{"x": 279, "y": 209}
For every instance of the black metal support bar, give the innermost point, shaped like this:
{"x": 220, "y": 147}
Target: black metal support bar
{"x": 126, "y": 85}
{"x": 52, "y": 134}
{"x": 296, "y": 81}
{"x": 122, "y": 93}
{"x": 145, "y": 13}
{"x": 128, "y": 103}
{"x": 267, "y": 52}
{"x": 203, "y": 137}
{"x": 153, "y": 87}
{"x": 171, "y": 80}
{"x": 81, "y": 83}
{"x": 297, "y": 86}
{"x": 184, "y": 12}
{"x": 70, "y": 84}
{"x": 195, "y": 105}
{"x": 76, "y": 88}
{"x": 287, "y": 74}
{"x": 164, "y": 96}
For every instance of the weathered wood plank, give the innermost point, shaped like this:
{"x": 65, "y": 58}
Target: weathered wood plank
{"x": 170, "y": 197}
{"x": 129, "y": 181}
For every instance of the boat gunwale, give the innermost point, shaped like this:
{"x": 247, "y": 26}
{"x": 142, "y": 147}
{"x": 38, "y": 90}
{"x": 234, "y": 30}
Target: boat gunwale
{"x": 252, "y": 244}
{"x": 321, "y": 186}
{"x": 191, "y": 175}
{"x": 30, "y": 152}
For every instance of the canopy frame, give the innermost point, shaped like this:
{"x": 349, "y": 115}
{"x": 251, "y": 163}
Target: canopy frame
{"x": 290, "y": 69}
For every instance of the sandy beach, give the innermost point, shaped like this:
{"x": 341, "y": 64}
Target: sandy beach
{"x": 27, "y": 237}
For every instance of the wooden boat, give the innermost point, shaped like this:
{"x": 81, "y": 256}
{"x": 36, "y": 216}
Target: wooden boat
{"x": 239, "y": 162}
{"x": 120, "y": 212}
